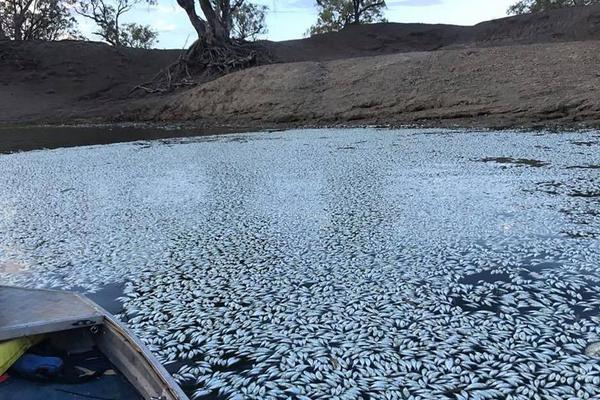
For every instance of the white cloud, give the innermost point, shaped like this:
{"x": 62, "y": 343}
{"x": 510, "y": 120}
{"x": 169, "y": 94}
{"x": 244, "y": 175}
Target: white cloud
{"x": 162, "y": 25}
{"x": 166, "y": 8}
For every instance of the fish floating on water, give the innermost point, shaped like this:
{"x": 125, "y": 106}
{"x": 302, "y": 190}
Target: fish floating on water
{"x": 320, "y": 265}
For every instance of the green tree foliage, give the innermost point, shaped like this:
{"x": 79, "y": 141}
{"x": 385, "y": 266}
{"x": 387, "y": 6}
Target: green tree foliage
{"x": 36, "y": 20}
{"x": 531, "y": 6}
{"x": 249, "y": 22}
{"x": 107, "y": 15}
{"x": 136, "y": 35}
{"x": 335, "y": 15}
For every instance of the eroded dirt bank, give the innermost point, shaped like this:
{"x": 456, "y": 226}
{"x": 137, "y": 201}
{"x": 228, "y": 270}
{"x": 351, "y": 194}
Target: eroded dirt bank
{"x": 534, "y": 70}
{"x": 527, "y": 85}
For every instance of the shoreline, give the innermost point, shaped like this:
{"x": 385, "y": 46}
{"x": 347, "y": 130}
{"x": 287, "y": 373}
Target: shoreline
{"x": 503, "y": 78}
{"x": 30, "y": 137}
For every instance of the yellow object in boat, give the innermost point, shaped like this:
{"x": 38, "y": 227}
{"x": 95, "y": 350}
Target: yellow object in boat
{"x": 12, "y": 350}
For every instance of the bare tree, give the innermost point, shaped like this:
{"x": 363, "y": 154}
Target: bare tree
{"x": 335, "y": 15}
{"x": 35, "y": 19}
{"x": 107, "y": 15}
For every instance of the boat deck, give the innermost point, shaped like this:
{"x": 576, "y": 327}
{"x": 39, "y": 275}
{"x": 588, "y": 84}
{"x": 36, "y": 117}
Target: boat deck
{"x": 26, "y": 312}
{"x": 110, "y": 385}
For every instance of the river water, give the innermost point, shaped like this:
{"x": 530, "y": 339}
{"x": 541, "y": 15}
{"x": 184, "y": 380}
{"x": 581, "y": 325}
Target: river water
{"x": 310, "y": 264}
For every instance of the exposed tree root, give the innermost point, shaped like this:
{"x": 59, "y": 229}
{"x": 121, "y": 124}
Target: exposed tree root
{"x": 202, "y": 63}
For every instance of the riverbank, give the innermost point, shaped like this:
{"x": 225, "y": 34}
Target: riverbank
{"x": 534, "y": 71}
{"x": 541, "y": 85}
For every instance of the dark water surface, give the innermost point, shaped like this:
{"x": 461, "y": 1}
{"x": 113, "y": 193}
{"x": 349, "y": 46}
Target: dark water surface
{"x": 15, "y": 139}
{"x": 325, "y": 264}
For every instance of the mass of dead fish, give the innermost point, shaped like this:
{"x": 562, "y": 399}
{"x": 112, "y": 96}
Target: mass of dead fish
{"x": 331, "y": 264}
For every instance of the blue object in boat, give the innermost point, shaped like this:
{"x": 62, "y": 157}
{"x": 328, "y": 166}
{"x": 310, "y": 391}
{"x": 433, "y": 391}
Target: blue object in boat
{"x": 33, "y": 365}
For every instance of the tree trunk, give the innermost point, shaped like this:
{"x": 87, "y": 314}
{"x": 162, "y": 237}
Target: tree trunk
{"x": 197, "y": 23}
{"x": 117, "y": 33}
{"x": 19, "y": 18}
{"x": 356, "y": 5}
{"x": 214, "y": 54}
{"x": 18, "y": 28}
{"x": 17, "y": 25}
{"x": 226, "y": 16}
{"x": 217, "y": 33}
{"x": 3, "y": 35}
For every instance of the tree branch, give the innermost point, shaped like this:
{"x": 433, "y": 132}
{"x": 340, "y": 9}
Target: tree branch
{"x": 372, "y": 5}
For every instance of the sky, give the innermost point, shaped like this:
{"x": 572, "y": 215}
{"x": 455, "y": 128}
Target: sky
{"x": 290, "y": 19}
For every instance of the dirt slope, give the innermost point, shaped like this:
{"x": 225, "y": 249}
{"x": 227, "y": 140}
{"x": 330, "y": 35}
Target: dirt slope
{"x": 570, "y": 24}
{"x": 543, "y": 84}
{"x": 535, "y": 69}
{"x": 45, "y": 81}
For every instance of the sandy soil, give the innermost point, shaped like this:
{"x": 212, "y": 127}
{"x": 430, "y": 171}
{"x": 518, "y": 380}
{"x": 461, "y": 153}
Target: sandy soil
{"x": 537, "y": 70}
{"x": 529, "y": 85}
{"x": 70, "y": 81}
